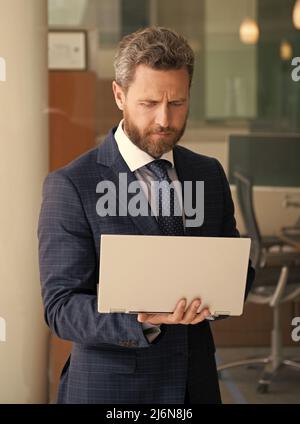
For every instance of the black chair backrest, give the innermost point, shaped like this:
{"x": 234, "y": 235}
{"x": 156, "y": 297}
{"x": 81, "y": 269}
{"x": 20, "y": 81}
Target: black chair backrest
{"x": 244, "y": 189}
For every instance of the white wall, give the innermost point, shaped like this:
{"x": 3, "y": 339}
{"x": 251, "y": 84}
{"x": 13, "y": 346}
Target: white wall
{"x": 23, "y": 165}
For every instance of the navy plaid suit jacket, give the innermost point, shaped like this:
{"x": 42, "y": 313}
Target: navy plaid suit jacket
{"x": 111, "y": 359}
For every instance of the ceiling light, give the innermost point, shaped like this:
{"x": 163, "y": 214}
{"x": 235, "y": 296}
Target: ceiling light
{"x": 286, "y": 50}
{"x": 296, "y": 14}
{"x": 249, "y": 31}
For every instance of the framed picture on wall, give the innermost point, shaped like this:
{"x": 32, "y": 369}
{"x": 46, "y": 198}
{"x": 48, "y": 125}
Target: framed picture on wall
{"x": 67, "y": 50}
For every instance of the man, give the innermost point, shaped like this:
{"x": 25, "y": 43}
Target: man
{"x": 144, "y": 358}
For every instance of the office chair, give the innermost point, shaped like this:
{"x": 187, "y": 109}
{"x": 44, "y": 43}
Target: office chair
{"x": 273, "y": 290}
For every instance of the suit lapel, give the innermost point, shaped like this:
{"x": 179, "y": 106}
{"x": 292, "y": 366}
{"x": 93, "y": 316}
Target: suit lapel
{"x": 111, "y": 164}
{"x": 187, "y": 172}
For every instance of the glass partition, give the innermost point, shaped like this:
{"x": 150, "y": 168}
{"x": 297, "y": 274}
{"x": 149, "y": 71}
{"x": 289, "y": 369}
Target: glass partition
{"x": 239, "y": 81}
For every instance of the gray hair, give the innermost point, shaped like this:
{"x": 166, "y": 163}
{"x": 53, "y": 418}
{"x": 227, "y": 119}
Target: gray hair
{"x": 157, "y": 47}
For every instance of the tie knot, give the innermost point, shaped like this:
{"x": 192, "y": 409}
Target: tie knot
{"x": 160, "y": 167}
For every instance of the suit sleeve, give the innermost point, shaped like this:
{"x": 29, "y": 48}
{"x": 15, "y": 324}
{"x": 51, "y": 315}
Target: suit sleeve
{"x": 69, "y": 273}
{"x": 229, "y": 224}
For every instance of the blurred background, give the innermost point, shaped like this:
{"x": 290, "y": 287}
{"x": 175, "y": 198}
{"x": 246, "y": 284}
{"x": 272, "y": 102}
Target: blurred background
{"x": 56, "y": 71}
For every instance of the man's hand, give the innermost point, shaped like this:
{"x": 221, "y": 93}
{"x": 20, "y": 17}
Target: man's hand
{"x": 180, "y": 315}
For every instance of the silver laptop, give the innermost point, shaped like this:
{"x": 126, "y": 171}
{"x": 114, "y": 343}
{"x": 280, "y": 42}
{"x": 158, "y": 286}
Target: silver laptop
{"x": 151, "y": 273}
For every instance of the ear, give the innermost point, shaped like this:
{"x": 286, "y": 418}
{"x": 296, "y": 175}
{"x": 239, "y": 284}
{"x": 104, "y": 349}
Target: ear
{"x": 119, "y": 95}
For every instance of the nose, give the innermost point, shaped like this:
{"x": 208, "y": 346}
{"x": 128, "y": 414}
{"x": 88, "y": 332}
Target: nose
{"x": 162, "y": 116}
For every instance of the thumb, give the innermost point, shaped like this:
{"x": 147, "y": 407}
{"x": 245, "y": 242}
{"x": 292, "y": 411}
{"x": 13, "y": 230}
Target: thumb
{"x": 141, "y": 317}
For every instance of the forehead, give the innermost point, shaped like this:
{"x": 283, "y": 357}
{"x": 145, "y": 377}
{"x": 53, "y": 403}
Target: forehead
{"x": 148, "y": 81}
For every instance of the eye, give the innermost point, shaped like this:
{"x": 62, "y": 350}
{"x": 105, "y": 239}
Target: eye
{"x": 148, "y": 104}
{"x": 177, "y": 104}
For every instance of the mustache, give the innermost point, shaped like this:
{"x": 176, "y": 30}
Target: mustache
{"x": 162, "y": 130}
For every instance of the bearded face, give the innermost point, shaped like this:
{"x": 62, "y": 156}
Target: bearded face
{"x": 155, "y": 108}
{"x": 155, "y": 140}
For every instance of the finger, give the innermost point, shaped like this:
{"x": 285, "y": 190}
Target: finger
{"x": 178, "y": 313}
{"x": 201, "y": 316}
{"x": 191, "y": 312}
{"x": 142, "y": 317}
{"x": 152, "y": 318}
{"x": 164, "y": 318}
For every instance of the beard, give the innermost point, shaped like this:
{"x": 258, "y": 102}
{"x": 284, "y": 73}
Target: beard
{"x": 149, "y": 140}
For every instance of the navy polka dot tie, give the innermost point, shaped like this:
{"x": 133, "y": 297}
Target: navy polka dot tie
{"x": 170, "y": 224}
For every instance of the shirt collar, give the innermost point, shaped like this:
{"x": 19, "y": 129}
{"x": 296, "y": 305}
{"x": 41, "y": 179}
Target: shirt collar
{"x": 134, "y": 157}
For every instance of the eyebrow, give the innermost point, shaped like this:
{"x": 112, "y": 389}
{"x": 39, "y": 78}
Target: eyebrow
{"x": 181, "y": 99}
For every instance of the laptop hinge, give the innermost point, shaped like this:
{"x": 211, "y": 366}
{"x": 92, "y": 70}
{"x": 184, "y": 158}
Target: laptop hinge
{"x": 117, "y": 310}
